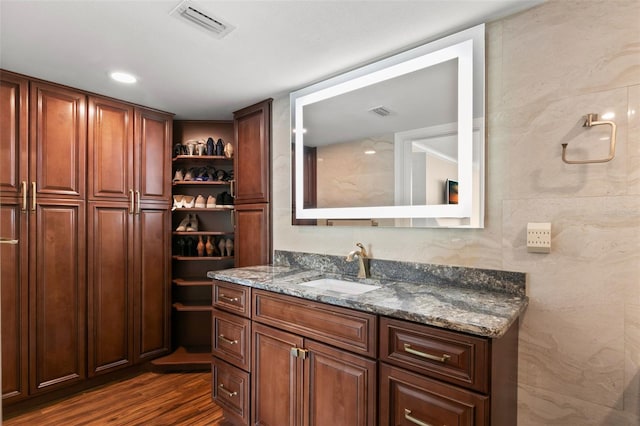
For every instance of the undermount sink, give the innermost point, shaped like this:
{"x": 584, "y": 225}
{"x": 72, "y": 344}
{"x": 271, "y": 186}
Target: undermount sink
{"x": 347, "y": 287}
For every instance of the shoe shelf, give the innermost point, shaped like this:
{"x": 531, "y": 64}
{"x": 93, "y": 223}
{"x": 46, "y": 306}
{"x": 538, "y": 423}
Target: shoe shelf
{"x": 201, "y": 182}
{"x": 192, "y": 307}
{"x": 192, "y": 281}
{"x": 191, "y": 289}
{"x": 196, "y": 233}
{"x": 182, "y": 158}
{"x": 202, "y": 257}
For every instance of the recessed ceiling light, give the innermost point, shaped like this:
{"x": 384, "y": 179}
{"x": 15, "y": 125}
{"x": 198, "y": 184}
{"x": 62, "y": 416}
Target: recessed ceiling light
{"x": 370, "y": 152}
{"x": 123, "y": 77}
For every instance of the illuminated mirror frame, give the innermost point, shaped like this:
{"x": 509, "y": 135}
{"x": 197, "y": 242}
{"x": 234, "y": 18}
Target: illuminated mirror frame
{"x": 459, "y": 46}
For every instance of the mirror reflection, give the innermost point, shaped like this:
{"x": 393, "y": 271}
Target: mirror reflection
{"x": 396, "y": 143}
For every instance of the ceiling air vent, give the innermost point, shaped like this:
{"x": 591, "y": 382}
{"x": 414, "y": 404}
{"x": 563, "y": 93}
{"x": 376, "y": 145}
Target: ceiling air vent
{"x": 380, "y": 110}
{"x": 214, "y": 26}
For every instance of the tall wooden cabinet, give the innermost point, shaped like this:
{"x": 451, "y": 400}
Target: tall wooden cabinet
{"x": 14, "y": 254}
{"x": 43, "y": 208}
{"x": 85, "y": 289}
{"x": 129, "y": 221}
{"x": 252, "y": 189}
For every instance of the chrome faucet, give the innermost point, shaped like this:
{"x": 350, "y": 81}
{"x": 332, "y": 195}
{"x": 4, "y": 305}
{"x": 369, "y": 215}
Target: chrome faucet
{"x": 363, "y": 259}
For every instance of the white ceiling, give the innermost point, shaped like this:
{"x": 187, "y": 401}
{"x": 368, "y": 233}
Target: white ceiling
{"x": 277, "y": 46}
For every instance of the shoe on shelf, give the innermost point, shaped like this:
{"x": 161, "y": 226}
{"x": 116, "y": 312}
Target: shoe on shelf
{"x": 209, "y": 246}
{"x": 189, "y": 175}
{"x": 190, "y": 246}
{"x": 183, "y": 224}
{"x": 178, "y": 176}
{"x": 177, "y": 201}
{"x": 180, "y": 244}
{"x": 177, "y": 150}
{"x": 188, "y": 201}
{"x": 222, "y": 245}
{"x": 193, "y": 224}
{"x": 229, "y": 246}
{"x": 200, "y": 203}
{"x": 210, "y": 146}
{"x": 211, "y": 202}
{"x": 227, "y": 200}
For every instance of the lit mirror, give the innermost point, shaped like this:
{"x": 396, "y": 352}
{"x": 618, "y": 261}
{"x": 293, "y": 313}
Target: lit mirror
{"x": 396, "y": 143}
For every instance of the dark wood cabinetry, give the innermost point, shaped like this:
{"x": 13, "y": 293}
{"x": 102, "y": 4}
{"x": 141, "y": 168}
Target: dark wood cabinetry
{"x": 86, "y": 288}
{"x": 14, "y": 220}
{"x": 437, "y": 376}
{"x": 129, "y": 224}
{"x": 252, "y": 185}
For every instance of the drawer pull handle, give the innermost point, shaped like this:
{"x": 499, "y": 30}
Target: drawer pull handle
{"x": 224, "y": 339}
{"x": 228, "y": 299}
{"x": 24, "y": 196}
{"x": 443, "y": 358}
{"x": 408, "y": 416}
{"x": 5, "y": 240}
{"x": 225, "y": 391}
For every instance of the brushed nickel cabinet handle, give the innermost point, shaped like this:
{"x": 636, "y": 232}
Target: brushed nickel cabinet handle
{"x": 232, "y": 188}
{"x": 443, "y": 358}
{"x": 24, "y": 195}
{"x": 8, "y": 241}
{"x": 227, "y": 298}
{"x": 138, "y": 202}
{"x": 131, "y": 202}
{"x": 408, "y": 416}
{"x": 224, "y": 390}
{"x": 224, "y": 339}
{"x": 33, "y": 196}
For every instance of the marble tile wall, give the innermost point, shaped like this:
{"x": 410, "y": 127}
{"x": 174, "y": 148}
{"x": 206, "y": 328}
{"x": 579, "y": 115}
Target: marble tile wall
{"x": 580, "y": 337}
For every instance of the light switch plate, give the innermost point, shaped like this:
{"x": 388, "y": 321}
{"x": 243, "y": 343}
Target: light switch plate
{"x": 539, "y": 237}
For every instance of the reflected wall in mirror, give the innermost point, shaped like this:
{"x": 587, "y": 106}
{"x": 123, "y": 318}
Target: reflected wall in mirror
{"x": 381, "y": 143}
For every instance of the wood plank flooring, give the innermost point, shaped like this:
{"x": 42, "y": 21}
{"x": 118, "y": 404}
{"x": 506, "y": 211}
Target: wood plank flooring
{"x": 148, "y": 399}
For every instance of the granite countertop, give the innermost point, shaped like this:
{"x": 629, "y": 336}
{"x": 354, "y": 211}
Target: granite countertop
{"x": 477, "y": 310}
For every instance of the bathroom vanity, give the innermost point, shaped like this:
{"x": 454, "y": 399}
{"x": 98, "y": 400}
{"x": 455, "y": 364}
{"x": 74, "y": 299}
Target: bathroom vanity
{"x": 418, "y": 345}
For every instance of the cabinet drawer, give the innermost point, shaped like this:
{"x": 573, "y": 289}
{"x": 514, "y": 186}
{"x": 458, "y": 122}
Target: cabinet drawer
{"x": 407, "y": 399}
{"x": 231, "y": 297}
{"x": 230, "y": 339}
{"x": 453, "y": 357}
{"x": 230, "y": 390}
{"x": 344, "y": 328}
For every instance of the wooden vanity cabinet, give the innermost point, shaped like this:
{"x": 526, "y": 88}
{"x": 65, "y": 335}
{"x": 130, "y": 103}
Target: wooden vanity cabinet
{"x": 296, "y": 379}
{"x": 231, "y": 350}
{"x": 437, "y": 376}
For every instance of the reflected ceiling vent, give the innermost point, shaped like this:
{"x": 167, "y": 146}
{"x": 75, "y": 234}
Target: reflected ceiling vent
{"x": 380, "y": 110}
{"x": 195, "y": 16}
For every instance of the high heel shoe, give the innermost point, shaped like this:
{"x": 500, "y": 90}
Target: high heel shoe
{"x": 210, "y": 146}
{"x": 193, "y": 224}
{"x": 221, "y": 245}
{"x": 177, "y": 201}
{"x": 229, "y": 246}
{"x": 200, "y": 203}
{"x": 183, "y": 224}
{"x": 200, "y": 246}
{"x": 209, "y": 247}
{"x": 188, "y": 202}
{"x": 179, "y": 176}
{"x": 211, "y": 202}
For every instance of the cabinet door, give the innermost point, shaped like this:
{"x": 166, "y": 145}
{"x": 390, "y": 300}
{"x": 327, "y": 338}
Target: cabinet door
{"x": 110, "y": 289}
{"x": 252, "y": 158}
{"x": 253, "y": 235}
{"x": 153, "y": 155}
{"x": 14, "y": 303}
{"x": 13, "y": 133}
{"x": 57, "y": 294}
{"x": 408, "y": 399}
{"x": 110, "y": 146}
{"x": 58, "y": 140}
{"x": 340, "y": 388}
{"x": 276, "y": 381}
{"x": 152, "y": 278}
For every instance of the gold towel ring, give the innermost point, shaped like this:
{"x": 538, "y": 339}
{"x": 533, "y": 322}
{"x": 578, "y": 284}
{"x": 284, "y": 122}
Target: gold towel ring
{"x": 592, "y": 120}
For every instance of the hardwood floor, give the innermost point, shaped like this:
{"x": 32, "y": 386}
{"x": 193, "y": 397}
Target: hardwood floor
{"x": 147, "y": 399}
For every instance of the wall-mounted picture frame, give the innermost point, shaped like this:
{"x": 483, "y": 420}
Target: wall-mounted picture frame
{"x": 451, "y": 187}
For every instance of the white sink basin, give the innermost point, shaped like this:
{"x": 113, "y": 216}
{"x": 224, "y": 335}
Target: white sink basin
{"x": 347, "y": 287}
